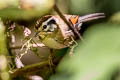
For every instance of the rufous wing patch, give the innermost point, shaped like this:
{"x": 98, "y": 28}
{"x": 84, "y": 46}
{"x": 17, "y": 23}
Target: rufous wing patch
{"x": 74, "y": 20}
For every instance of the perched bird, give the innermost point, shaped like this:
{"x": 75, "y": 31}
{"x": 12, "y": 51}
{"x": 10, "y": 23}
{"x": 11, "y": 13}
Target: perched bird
{"x": 54, "y": 32}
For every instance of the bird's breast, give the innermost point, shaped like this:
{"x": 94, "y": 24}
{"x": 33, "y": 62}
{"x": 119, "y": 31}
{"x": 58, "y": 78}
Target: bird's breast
{"x": 52, "y": 43}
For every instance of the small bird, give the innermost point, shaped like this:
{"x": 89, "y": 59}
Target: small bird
{"x": 54, "y": 32}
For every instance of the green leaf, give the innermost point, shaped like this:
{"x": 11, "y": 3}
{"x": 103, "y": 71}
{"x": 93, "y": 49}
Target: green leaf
{"x": 24, "y": 9}
{"x": 98, "y": 58}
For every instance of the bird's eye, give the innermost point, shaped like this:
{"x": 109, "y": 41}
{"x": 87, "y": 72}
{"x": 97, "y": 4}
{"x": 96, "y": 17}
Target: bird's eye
{"x": 44, "y": 27}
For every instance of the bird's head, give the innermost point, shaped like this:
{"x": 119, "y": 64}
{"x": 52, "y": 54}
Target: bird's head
{"x": 47, "y": 25}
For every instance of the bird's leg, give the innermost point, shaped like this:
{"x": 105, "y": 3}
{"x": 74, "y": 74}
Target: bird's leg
{"x": 72, "y": 47}
{"x": 50, "y": 59}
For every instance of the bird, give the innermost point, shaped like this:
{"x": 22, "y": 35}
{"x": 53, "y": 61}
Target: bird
{"x": 54, "y": 33}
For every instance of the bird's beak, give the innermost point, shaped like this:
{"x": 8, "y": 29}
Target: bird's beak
{"x": 41, "y": 35}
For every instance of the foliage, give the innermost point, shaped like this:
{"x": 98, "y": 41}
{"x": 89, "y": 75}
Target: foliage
{"x": 97, "y": 58}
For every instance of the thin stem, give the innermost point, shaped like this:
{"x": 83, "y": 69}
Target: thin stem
{"x": 75, "y": 31}
{"x": 33, "y": 45}
{"x": 41, "y": 67}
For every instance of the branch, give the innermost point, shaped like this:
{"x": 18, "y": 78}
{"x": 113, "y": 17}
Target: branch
{"x": 33, "y": 45}
{"x": 75, "y": 31}
{"x": 43, "y": 68}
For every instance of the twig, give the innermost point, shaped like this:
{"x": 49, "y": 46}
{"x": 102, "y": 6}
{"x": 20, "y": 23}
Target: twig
{"x": 30, "y": 68}
{"x": 75, "y": 31}
{"x": 33, "y": 45}
{"x": 41, "y": 67}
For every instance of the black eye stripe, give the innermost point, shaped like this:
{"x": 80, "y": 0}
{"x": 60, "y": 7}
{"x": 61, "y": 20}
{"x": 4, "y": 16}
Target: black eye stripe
{"x": 51, "y": 22}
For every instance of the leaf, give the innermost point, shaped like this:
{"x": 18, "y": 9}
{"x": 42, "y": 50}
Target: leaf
{"x": 24, "y": 9}
{"x": 96, "y": 59}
